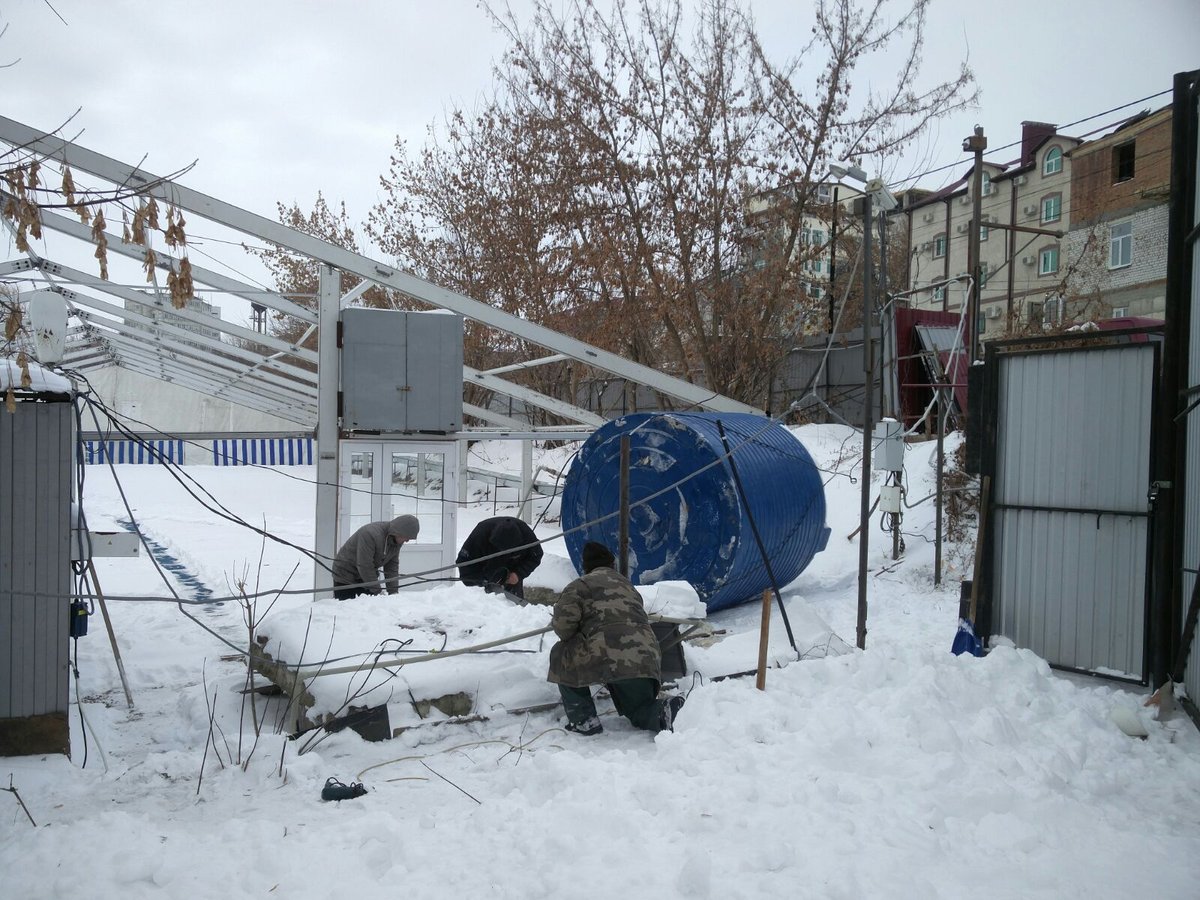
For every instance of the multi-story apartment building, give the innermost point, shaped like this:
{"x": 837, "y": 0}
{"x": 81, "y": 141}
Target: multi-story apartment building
{"x": 1117, "y": 244}
{"x": 1019, "y": 270}
{"x": 820, "y": 244}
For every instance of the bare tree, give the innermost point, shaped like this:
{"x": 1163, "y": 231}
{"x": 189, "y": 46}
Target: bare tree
{"x": 641, "y": 178}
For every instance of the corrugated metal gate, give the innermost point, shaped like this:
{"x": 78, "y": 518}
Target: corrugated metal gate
{"x": 1070, "y": 514}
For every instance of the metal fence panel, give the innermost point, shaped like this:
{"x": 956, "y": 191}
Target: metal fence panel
{"x": 1071, "y": 510}
{"x": 1191, "y": 462}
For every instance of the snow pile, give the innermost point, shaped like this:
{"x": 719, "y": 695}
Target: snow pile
{"x": 901, "y": 771}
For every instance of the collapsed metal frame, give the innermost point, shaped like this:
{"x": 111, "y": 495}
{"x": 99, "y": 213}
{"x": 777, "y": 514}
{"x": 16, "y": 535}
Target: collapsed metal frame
{"x": 252, "y": 225}
{"x": 161, "y": 346}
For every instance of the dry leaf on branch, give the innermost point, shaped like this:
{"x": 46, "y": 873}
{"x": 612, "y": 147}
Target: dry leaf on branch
{"x": 181, "y": 286}
{"x": 174, "y": 234}
{"x": 139, "y": 225}
{"x": 23, "y": 365}
{"x": 12, "y": 324}
{"x": 10, "y": 401}
{"x": 101, "y": 240}
{"x": 148, "y": 264}
{"x": 68, "y": 186}
{"x": 152, "y": 214}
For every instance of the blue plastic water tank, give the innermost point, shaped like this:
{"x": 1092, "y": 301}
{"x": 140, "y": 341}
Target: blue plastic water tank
{"x": 687, "y": 521}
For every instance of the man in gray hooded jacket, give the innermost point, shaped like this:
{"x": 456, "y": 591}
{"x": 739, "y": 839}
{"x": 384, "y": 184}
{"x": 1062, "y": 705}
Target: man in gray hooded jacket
{"x": 373, "y": 547}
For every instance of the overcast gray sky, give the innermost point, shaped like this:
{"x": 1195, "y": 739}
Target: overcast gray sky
{"x": 280, "y": 99}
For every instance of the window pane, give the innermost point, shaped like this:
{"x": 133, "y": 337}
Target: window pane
{"x": 1053, "y": 163}
{"x": 1049, "y": 261}
{"x": 417, "y": 488}
{"x": 358, "y": 495}
{"x": 1120, "y": 248}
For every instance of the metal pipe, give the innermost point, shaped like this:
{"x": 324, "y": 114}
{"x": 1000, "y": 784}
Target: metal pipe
{"x": 623, "y": 519}
{"x": 864, "y": 533}
{"x": 737, "y": 480}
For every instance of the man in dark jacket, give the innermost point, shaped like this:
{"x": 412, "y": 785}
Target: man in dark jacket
{"x": 606, "y": 638}
{"x": 501, "y": 551}
{"x": 373, "y": 547}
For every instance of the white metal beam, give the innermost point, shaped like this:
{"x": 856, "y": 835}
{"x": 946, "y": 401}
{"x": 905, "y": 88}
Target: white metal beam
{"x": 494, "y": 418}
{"x": 126, "y": 338}
{"x": 532, "y": 397}
{"x": 158, "y": 334}
{"x": 204, "y": 380}
{"x": 152, "y": 300}
{"x": 325, "y": 529}
{"x": 200, "y": 275}
{"x": 529, "y": 364}
{"x": 116, "y": 172}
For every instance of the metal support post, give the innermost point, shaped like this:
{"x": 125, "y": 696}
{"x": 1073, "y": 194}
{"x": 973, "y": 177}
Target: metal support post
{"x": 328, "y": 385}
{"x": 976, "y": 144}
{"x": 526, "y": 510}
{"x": 623, "y": 524}
{"x": 864, "y": 532}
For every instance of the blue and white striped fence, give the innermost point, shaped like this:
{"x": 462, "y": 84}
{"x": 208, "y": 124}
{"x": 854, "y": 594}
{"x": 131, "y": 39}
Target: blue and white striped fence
{"x": 263, "y": 452}
{"x": 132, "y": 452}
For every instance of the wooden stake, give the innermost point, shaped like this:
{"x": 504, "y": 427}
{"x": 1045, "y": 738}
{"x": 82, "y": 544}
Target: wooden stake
{"x": 763, "y": 635}
{"x": 112, "y": 636}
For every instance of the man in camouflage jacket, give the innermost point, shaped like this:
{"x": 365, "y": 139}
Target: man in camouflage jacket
{"x": 605, "y": 638}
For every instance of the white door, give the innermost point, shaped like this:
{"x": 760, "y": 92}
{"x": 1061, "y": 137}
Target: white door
{"x": 384, "y": 479}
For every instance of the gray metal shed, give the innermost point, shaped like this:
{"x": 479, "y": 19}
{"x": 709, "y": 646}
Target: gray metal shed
{"x": 35, "y": 570}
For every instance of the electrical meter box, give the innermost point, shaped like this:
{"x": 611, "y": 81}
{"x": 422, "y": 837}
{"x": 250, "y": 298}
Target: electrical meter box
{"x": 889, "y": 446}
{"x": 402, "y": 371}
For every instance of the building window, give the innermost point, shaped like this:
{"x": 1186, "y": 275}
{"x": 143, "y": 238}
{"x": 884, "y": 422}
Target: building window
{"x": 1122, "y": 161}
{"x": 986, "y": 185}
{"x": 1048, "y": 261}
{"x": 1052, "y": 208}
{"x": 939, "y": 246}
{"x": 805, "y": 237}
{"x": 939, "y": 294}
{"x": 980, "y": 324}
{"x": 1120, "y": 245}
{"x": 823, "y": 193}
{"x": 1052, "y": 311}
{"x": 818, "y": 237}
{"x": 1035, "y": 312}
{"x": 1120, "y": 312}
{"x": 983, "y": 275}
{"x": 983, "y": 231}
{"x": 1052, "y": 164}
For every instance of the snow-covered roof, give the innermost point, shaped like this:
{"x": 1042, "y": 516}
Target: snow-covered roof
{"x": 42, "y": 380}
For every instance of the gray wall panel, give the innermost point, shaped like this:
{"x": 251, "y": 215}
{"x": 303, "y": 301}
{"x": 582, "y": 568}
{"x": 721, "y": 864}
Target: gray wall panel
{"x": 1074, "y": 434}
{"x": 6, "y": 565}
{"x": 35, "y": 495}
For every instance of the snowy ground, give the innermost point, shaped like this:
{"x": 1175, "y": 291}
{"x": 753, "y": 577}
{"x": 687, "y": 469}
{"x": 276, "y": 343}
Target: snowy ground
{"x": 903, "y": 771}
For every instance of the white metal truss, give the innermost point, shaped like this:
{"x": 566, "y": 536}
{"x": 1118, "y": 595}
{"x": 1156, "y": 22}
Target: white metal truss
{"x": 129, "y": 178}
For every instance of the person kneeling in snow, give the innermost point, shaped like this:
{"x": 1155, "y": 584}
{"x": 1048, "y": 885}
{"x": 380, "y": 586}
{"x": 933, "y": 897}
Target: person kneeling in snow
{"x": 606, "y": 638}
{"x": 373, "y": 547}
{"x": 499, "y": 553}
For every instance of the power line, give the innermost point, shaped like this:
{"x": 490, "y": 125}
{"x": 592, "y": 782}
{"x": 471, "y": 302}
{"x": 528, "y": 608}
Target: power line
{"x": 1017, "y": 143}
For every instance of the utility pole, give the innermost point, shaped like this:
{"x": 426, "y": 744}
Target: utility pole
{"x": 864, "y": 531}
{"x": 976, "y": 144}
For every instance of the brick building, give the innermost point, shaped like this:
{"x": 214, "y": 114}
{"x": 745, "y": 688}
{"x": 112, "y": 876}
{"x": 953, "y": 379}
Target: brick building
{"x": 1019, "y": 270}
{"x": 1117, "y": 243}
